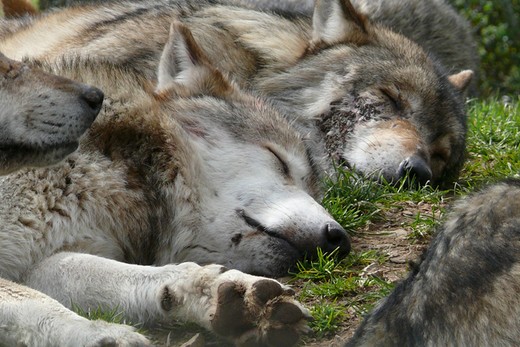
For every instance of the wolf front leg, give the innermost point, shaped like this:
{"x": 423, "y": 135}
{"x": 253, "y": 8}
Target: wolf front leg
{"x": 31, "y": 318}
{"x": 246, "y": 309}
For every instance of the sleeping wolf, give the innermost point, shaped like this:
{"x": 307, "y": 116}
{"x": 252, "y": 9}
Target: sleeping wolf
{"x": 466, "y": 290}
{"x": 196, "y": 170}
{"x": 369, "y": 98}
{"x": 42, "y": 116}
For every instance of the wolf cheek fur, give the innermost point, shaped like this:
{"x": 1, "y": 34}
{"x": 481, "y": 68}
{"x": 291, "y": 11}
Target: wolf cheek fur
{"x": 336, "y": 65}
{"x": 465, "y": 291}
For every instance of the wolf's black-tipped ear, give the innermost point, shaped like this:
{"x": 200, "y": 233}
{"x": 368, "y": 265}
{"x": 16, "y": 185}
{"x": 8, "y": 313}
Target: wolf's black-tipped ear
{"x": 337, "y": 20}
{"x": 184, "y": 64}
{"x": 461, "y": 80}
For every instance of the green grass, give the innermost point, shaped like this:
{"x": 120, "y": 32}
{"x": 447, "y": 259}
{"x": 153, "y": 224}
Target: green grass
{"x": 327, "y": 317}
{"x": 109, "y": 315}
{"x": 424, "y": 224}
{"x": 332, "y": 286}
{"x": 493, "y": 143}
{"x": 352, "y": 200}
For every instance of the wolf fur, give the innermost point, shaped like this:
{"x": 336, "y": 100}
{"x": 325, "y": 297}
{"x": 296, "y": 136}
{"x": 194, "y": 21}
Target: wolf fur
{"x": 42, "y": 116}
{"x": 371, "y": 99}
{"x": 193, "y": 169}
{"x": 466, "y": 289}
{"x": 17, "y": 8}
{"x": 433, "y": 24}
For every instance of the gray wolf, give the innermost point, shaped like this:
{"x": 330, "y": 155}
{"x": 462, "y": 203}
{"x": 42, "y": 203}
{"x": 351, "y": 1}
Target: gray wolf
{"x": 369, "y": 98}
{"x": 465, "y": 291}
{"x": 189, "y": 168}
{"x": 42, "y": 116}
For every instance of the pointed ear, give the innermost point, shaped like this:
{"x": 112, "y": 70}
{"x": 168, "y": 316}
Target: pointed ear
{"x": 461, "y": 80}
{"x": 337, "y": 20}
{"x": 184, "y": 64}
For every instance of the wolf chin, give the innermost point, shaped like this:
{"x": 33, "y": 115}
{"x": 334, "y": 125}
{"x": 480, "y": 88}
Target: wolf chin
{"x": 367, "y": 97}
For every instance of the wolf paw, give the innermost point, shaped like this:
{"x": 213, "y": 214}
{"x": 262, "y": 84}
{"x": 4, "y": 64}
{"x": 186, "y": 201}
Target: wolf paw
{"x": 258, "y": 312}
{"x": 117, "y": 335}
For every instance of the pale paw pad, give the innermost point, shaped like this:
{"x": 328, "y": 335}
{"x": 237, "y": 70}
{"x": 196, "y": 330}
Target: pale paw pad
{"x": 261, "y": 314}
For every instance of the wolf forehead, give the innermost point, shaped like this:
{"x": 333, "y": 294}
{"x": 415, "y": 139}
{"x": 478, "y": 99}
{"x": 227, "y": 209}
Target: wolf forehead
{"x": 251, "y": 120}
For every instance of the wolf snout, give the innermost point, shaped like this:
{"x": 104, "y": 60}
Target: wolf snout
{"x": 329, "y": 238}
{"x": 335, "y": 237}
{"x": 94, "y": 98}
{"x": 416, "y": 168}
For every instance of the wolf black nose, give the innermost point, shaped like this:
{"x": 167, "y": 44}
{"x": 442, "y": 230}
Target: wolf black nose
{"x": 417, "y": 169}
{"x": 93, "y": 97}
{"x": 334, "y": 236}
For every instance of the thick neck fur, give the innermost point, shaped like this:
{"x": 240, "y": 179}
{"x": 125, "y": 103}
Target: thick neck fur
{"x": 158, "y": 161}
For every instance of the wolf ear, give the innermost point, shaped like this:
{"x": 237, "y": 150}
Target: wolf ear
{"x": 461, "y": 80}
{"x": 183, "y": 65}
{"x": 337, "y": 20}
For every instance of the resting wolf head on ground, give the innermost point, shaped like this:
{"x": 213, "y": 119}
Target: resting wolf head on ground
{"x": 381, "y": 104}
{"x": 377, "y": 100}
{"x": 42, "y": 116}
{"x": 259, "y": 177}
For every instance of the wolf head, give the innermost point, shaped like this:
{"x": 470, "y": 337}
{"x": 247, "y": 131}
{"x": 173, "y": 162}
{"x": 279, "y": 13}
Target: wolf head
{"x": 42, "y": 116}
{"x": 248, "y": 174}
{"x": 381, "y": 104}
